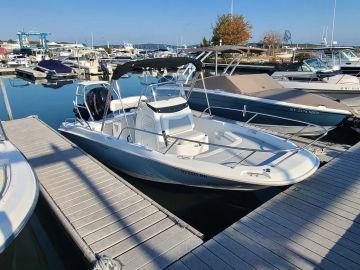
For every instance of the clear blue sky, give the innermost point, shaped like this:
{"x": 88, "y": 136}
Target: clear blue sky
{"x": 164, "y": 21}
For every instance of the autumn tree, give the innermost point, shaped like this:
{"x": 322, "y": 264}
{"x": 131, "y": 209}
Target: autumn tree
{"x": 272, "y": 40}
{"x": 231, "y": 30}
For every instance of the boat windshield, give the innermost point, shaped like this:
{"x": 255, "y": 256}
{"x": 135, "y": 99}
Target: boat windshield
{"x": 314, "y": 65}
{"x": 350, "y": 54}
{"x": 159, "y": 92}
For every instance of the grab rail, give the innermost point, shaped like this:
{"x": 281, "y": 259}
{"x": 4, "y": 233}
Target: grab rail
{"x": 244, "y": 111}
{"x": 208, "y": 143}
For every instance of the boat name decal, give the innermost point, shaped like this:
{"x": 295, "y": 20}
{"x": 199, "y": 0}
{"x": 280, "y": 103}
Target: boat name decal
{"x": 193, "y": 173}
{"x": 299, "y": 110}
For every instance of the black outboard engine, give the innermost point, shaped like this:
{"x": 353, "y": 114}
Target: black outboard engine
{"x": 96, "y": 102}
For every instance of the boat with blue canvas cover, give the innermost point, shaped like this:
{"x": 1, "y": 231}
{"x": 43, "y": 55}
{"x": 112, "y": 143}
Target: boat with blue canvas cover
{"x": 155, "y": 136}
{"x": 56, "y": 70}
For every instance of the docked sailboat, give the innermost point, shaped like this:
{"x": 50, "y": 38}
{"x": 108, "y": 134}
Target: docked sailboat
{"x": 157, "y": 137}
{"x": 18, "y": 192}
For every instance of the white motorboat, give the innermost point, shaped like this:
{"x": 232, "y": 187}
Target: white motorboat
{"x": 158, "y": 138}
{"x": 18, "y": 192}
{"x": 314, "y": 76}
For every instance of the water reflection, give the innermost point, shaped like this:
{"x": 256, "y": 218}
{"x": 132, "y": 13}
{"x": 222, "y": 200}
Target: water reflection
{"x": 24, "y": 253}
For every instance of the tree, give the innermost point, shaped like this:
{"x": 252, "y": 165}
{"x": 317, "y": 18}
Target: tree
{"x": 108, "y": 50}
{"x": 205, "y": 42}
{"x": 272, "y": 40}
{"x": 231, "y": 30}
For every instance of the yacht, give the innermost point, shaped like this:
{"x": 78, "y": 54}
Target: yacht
{"x": 88, "y": 64}
{"x": 155, "y": 136}
{"x": 18, "y": 191}
{"x": 17, "y": 60}
{"x": 343, "y": 58}
{"x": 315, "y": 76}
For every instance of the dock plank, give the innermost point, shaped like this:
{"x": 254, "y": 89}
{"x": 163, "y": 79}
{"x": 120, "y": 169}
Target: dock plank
{"x": 114, "y": 223}
{"x": 160, "y": 245}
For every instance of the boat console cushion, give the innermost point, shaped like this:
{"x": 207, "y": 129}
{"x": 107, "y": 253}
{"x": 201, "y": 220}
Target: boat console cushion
{"x": 186, "y": 148}
{"x": 169, "y": 105}
{"x": 126, "y": 103}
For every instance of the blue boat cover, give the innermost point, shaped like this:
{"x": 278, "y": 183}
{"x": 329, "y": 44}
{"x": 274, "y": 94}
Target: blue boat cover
{"x": 55, "y": 65}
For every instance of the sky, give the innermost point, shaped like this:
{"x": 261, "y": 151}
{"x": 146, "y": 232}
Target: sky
{"x": 165, "y": 21}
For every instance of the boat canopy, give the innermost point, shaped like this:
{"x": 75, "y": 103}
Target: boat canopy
{"x": 265, "y": 87}
{"x": 55, "y": 65}
{"x": 154, "y": 63}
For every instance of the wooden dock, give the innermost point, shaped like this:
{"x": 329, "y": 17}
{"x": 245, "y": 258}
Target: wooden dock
{"x": 7, "y": 71}
{"x": 102, "y": 213}
{"x": 312, "y": 225}
{"x": 30, "y": 73}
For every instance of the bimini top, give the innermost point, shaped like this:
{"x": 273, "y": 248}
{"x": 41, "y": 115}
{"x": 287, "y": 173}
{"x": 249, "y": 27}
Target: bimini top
{"x": 154, "y": 63}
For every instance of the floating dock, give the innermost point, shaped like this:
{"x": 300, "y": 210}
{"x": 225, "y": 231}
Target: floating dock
{"x": 30, "y": 73}
{"x": 314, "y": 224}
{"x": 103, "y": 214}
{"x": 7, "y": 71}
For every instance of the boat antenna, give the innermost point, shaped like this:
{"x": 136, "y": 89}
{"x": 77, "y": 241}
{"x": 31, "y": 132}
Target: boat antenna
{"x": 232, "y": 8}
{"x": 333, "y": 24}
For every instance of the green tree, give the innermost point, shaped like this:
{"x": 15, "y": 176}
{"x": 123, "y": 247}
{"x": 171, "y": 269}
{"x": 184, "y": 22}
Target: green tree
{"x": 231, "y": 30}
{"x": 205, "y": 42}
{"x": 108, "y": 49}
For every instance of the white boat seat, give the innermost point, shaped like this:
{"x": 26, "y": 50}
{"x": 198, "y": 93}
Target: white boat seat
{"x": 186, "y": 148}
{"x": 126, "y": 103}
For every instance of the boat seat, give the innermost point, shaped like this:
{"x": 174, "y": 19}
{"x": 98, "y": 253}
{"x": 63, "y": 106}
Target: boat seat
{"x": 126, "y": 103}
{"x": 186, "y": 148}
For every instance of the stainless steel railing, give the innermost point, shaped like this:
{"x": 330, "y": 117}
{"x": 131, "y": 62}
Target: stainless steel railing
{"x": 256, "y": 114}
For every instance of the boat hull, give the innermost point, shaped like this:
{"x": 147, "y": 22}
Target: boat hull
{"x": 20, "y": 194}
{"x": 147, "y": 169}
{"x": 329, "y": 120}
{"x": 141, "y": 162}
{"x": 347, "y": 94}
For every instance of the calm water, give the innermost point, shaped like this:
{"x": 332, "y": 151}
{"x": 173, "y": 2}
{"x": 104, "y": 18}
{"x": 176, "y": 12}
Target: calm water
{"x": 47, "y": 248}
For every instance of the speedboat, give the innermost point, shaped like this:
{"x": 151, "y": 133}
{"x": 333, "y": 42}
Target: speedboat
{"x": 254, "y": 97}
{"x": 18, "y": 192}
{"x": 155, "y": 136}
{"x": 343, "y": 58}
{"x": 315, "y": 76}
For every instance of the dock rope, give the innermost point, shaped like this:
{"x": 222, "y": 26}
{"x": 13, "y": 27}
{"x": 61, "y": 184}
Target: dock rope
{"x": 104, "y": 262}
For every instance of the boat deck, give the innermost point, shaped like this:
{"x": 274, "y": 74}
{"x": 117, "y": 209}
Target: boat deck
{"x": 314, "y": 224}
{"x": 102, "y": 213}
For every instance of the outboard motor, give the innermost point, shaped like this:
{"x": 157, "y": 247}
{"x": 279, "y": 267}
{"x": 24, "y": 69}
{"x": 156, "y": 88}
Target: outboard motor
{"x": 96, "y": 102}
